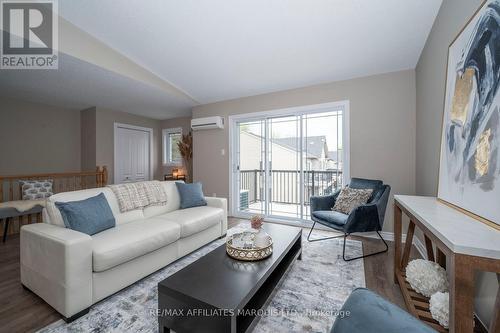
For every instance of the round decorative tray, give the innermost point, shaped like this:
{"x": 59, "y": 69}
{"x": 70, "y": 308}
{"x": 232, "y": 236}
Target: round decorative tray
{"x": 246, "y": 252}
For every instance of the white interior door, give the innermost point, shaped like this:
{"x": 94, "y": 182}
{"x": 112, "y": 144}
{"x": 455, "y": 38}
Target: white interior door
{"x": 132, "y": 154}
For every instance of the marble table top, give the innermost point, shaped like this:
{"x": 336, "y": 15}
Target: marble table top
{"x": 458, "y": 231}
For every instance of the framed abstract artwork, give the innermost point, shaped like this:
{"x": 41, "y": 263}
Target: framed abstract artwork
{"x": 469, "y": 169}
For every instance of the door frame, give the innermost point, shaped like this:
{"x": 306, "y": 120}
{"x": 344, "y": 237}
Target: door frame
{"x": 137, "y": 128}
{"x": 344, "y": 105}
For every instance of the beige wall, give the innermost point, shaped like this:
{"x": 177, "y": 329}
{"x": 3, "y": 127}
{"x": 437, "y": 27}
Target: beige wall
{"x": 382, "y": 130}
{"x": 88, "y": 135}
{"x": 182, "y": 122}
{"x": 37, "y": 138}
{"x": 105, "y": 120}
{"x": 430, "y": 83}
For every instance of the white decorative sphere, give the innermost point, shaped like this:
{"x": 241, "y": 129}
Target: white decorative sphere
{"x": 439, "y": 304}
{"x": 426, "y": 277}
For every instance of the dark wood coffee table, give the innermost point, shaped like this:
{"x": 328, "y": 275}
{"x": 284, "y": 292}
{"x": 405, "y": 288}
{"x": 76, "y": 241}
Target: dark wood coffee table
{"x": 219, "y": 294}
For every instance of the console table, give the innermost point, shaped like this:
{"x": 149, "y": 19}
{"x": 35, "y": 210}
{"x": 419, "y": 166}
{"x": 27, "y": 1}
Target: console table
{"x": 463, "y": 246}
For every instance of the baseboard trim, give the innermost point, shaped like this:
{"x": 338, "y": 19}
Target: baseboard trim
{"x": 420, "y": 247}
{"x": 388, "y": 235}
{"x": 479, "y": 326}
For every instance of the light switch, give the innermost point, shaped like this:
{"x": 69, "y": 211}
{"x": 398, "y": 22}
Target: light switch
{"x": 223, "y": 152}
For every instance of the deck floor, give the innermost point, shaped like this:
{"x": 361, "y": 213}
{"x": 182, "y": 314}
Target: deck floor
{"x": 278, "y": 209}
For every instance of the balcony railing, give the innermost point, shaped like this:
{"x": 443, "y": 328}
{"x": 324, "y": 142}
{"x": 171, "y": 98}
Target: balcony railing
{"x": 285, "y": 185}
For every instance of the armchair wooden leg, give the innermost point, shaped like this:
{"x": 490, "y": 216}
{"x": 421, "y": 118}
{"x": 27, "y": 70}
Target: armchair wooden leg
{"x": 365, "y": 255}
{"x": 319, "y": 239}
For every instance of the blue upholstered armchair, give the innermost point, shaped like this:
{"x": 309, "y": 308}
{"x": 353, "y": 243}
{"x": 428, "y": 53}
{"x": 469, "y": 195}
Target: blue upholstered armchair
{"x": 365, "y": 218}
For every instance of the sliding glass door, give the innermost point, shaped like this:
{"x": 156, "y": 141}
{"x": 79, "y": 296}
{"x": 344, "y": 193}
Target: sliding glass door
{"x": 323, "y": 151}
{"x": 280, "y": 161}
{"x": 251, "y": 152}
{"x": 284, "y": 167}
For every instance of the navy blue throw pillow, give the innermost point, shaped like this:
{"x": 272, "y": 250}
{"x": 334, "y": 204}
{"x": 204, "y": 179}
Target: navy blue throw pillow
{"x": 191, "y": 195}
{"x": 89, "y": 216}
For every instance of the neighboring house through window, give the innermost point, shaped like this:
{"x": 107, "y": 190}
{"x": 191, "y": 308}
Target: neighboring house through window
{"x": 171, "y": 154}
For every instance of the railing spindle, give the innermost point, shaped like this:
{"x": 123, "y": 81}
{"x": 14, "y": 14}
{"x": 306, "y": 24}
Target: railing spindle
{"x": 285, "y": 184}
{"x": 11, "y": 190}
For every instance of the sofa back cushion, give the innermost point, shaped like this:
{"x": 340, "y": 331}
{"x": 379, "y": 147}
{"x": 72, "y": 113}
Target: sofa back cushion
{"x": 54, "y": 215}
{"x": 89, "y": 216}
{"x": 173, "y": 201}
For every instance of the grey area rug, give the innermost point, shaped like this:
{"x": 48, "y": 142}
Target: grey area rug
{"x": 306, "y": 300}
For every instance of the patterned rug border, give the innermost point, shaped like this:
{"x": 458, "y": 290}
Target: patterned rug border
{"x": 290, "y": 308}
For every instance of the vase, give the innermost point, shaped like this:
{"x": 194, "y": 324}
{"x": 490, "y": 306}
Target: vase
{"x": 261, "y": 239}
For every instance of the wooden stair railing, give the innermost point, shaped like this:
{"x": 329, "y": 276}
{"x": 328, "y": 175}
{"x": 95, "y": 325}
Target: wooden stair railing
{"x": 11, "y": 189}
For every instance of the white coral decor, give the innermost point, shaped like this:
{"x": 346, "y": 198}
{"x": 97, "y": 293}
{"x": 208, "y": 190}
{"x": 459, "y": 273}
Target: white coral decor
{"x": 439, "y": 305}
{"x": 426, "y": 277}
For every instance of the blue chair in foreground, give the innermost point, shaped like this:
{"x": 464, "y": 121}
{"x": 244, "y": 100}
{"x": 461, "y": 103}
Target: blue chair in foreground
{"x": 368, "y": 312}
{"x": 365, "y": 218}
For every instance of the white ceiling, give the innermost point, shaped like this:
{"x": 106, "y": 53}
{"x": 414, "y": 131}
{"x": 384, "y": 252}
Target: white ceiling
{"x": 80, "y": 85}
{"x": 222, "y": 49}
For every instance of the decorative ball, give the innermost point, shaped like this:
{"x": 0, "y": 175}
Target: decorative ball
{"x": 439, "y": 305}
{"x": 426, "y": 277}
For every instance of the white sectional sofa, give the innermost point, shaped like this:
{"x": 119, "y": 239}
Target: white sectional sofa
{"x": 71, "y": 270}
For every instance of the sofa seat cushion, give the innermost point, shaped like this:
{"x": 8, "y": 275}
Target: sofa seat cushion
{"x": 125, "y": 242}
{"x": 194, "y": 220}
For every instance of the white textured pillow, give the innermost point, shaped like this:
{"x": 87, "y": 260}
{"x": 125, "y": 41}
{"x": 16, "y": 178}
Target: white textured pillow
{"x": 426, "y": 277}
{"x": 351, "y": 198}
{"x": 439, "y": 304}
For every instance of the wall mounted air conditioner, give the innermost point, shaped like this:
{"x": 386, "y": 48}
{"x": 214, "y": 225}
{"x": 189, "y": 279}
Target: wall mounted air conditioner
{"x": 207, "y": 123}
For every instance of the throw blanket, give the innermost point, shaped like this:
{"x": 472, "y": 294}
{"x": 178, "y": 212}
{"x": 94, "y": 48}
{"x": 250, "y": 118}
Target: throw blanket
{"x": 23, "y": 205}
{"x": 139, "y": 195}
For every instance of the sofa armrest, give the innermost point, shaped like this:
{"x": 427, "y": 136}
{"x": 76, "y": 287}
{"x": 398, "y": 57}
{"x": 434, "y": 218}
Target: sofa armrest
{"x": 56, "y": 264}
{"x": 219, "y": 203}
{"x": 325, "y": 202}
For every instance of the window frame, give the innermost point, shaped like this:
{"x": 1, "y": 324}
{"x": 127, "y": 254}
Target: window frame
{"x": 166, "y": 151}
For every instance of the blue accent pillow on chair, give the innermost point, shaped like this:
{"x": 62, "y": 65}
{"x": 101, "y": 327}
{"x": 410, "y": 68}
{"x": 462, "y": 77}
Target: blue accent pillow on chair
{"x": 89, "y": 216}
{"x": 191, "y": 195}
